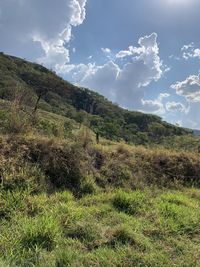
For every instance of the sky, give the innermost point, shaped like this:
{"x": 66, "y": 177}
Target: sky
{"x": 141, "y": 54}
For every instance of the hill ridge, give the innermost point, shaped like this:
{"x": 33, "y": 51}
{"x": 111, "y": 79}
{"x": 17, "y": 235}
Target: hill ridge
{"x": 81, "y": 104}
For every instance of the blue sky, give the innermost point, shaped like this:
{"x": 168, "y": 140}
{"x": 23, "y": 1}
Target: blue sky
{"x": 142, "y": 54}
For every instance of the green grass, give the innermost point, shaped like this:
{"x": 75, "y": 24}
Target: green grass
{"x": 67, "y": 201}
{"x": 113, "y": 229}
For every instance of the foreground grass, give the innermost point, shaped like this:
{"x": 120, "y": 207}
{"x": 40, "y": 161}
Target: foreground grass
{"x": 66, "y": 201}
{"x": 136, "y": 228}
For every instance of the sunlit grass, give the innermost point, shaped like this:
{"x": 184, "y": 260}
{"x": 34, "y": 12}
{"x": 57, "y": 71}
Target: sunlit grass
{"x": 130, "y": 228}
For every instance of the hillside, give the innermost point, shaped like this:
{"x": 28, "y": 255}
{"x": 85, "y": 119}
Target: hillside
{"x": 66, "y": 200}
{"x": 66, "y": 204}
{"x": 196, "y": 132}
{"x": 80, "y": 104}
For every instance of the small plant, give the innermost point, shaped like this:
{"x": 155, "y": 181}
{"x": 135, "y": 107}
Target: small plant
{"x": 90, "y": 233}
{"x": 131, "y": 203}
{"x": 20, "y": 175}
{"x": 88, "y": 186}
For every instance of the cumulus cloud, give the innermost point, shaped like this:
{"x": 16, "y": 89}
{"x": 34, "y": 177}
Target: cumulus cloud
{"x": 189, "y": 88}
{"x": 155, "y": 105}
{"x": 189, "y": 51}
{"x": 101, "y": 78}
{"x": 176, "y": 106}
{"x": 48, "y": 24}
{"x": 47, "y": 35}
{"x": 123, "y": 82}
{"x": 125, "y": 53}
{"x": 106, "y": 50}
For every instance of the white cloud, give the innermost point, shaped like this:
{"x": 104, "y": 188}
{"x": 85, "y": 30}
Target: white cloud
{"x": 155, "y": 105}
{"x": 106, "y": 50}
{"x": 174, "y": 57}
{"x": 186, "y": 47}
{"x": 176, "y": 106}
{"x": 197, "y": 52}
{"x": 97, "y": 77}
{"x": 122, "y": 82}
{"x": 45, "y": 32}
{"x": 125, "y": 53}
{"x": 189, "y": 51}
{"x": 56, "y": 54}
{"x": 189, "y": 88}
{"x": 44, "y": 27}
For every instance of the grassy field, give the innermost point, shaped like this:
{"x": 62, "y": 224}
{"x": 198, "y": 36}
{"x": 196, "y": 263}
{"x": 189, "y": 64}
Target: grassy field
{"x": 67, "y": 201}
{"x": 63, "y": 204}
{"x": 136, "y": 228}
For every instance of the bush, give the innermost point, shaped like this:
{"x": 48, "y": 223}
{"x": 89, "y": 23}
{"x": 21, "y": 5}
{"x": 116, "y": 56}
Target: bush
{"x": 14, "y": 122}
{"x": 88, "y": 186}
{"x": 62, "y": 164}
{"x": 20, "y": 175}
{"x": 116, "y": 173}
{"x": 51, "y": 128}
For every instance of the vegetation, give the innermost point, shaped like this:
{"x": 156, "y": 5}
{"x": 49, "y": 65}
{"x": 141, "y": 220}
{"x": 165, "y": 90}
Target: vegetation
{"x": 51, "y": 93}
{"x": 67, "y": 201}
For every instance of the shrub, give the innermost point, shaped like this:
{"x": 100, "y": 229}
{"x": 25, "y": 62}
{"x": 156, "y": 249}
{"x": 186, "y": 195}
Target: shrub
{"x": 20, "y": 175}
{"x": 88, "y": 186}
{"x": 116, "y": 173}
{"x": 51, "y": 128}
{"x": 61, "y": 163}
{"x": 14, "y": 122}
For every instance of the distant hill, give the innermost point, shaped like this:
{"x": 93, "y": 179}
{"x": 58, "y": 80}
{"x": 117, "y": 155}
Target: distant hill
{"x": 82, "y": 105}
{"x": 196, "y": 132}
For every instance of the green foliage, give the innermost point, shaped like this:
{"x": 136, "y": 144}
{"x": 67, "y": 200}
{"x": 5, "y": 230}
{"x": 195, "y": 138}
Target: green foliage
{"x": 56, "y": 95}
{"x": 20, "y": 175}
{"x": 67, "y": 201}
{"x": 14, "y": 121}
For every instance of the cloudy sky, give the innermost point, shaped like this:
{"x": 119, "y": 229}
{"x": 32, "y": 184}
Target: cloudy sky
{"x": 142, "y": 54}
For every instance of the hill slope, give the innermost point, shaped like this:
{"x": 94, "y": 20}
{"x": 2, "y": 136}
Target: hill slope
{"x": 104, "y": 205}
{"x": 67, "y": 201}
{"x": 80, "y": 104}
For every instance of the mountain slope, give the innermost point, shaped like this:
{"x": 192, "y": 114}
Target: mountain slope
{"x": 80, "y": 104}
{"x": 67, "y": 201}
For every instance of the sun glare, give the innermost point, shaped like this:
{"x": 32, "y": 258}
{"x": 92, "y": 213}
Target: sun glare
{"x": 179, "y": 2}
